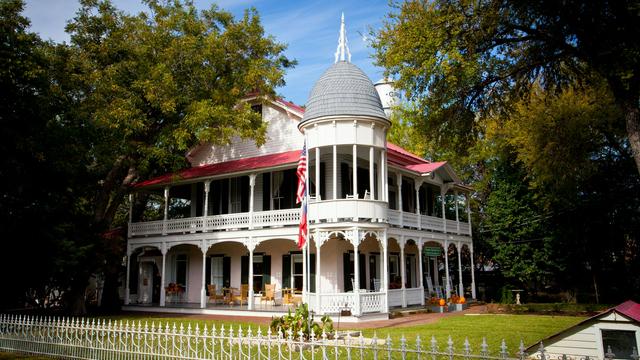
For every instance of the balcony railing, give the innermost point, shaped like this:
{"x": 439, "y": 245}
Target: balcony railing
{"x": 343, "y": 209}
{"x": 424, "y": 222}
{"x": 216, "y": 222}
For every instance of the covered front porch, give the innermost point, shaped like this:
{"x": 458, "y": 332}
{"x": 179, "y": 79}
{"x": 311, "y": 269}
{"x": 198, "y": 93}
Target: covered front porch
{"x": 354, "y": 270}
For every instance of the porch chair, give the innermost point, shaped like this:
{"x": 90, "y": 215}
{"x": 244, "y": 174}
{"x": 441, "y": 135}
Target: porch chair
{"x": 269, "y": 293}
{"x": 244, "y": 294}
{"x": 213, "y": 295}
{"x": 376, "y": 285}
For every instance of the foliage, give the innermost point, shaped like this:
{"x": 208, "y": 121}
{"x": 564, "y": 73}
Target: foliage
{"x": 459, "y": 61}
{"x": 123, "y": 101}
{"x": 517, "y": 98}
{"x": 302, "y": 322}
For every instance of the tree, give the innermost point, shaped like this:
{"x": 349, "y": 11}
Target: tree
{"x": 42, "y": 215}
{"x": 151, "y": 86}
{"x": 463, "y": 60}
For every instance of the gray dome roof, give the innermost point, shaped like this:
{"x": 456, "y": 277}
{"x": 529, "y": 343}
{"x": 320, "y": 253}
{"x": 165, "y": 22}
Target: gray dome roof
{"x": 343, "y": 89}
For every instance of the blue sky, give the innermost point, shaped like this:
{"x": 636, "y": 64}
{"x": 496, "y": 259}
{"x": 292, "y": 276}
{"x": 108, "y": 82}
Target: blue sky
{"x": 309, "y": 28}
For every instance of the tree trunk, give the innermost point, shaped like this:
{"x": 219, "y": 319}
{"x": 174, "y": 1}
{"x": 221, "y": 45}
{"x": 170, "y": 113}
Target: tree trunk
{"x": 632, "y": 120}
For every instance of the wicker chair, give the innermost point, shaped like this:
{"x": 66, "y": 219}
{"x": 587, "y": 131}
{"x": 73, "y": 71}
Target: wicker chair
{"x": 213, "y": 295}
{"x": 244, "y": 294}
{"x": 269, "y": 293}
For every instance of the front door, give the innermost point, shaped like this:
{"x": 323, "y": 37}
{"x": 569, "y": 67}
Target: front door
{"x": 145, "y": 282}
{"x": 374, "y": 272}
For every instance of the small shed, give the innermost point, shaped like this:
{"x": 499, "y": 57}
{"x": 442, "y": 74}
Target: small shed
{"x": 616, "y": 330}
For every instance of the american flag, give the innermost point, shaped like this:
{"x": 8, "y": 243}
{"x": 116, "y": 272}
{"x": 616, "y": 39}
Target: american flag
{"x": 301, "y": 197}
{"x": 302, "y": 175}
{"x": 303, "y": 230}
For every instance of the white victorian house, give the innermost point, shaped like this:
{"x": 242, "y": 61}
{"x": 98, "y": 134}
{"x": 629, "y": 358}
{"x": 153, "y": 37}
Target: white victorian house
{"x": 383, "y": 223}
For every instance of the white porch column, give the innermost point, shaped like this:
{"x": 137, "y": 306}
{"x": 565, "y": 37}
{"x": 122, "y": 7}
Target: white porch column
{"x": 356, "y": 271}
{"x": 166, "y": 210}
{"x": 460, "y": 285}
{"x": 318, "y": 174}
{"x": 335, "y": 173}
{"x": 417, "y": 186}
{"x": 385, "y": 271}
{"x": 420, "y": 271}
{"x": 446, "y": 269}
{"x": 250, "y": 299}
{"x": 473, "y": 270}
{"x": 436, "y": 272}
{"x": 403, "y": 271}
{"x": 355, "y": 170}
{"x": 443, "y": 193}
{"x": 372, "y": 167}
{"x": 252, "y": 185}
{"x": 163, "y": 292}
{"x": 127, "y": 291}
{"x": 203, "y": 292}
{"x": 130, "y": 208}
{"x": 399, "y": 196}
{"x": 455, "y": 195}
{"x": 385, "y": 175}
{"x": 304, "y": 271}
{"x": 205, "y": 210}
{"x": 318, "y": 282}
{"x": 381, "y": 178}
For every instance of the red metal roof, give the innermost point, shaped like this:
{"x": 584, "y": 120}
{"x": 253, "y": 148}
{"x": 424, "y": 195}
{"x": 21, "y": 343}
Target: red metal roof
{"x": 630, "y": 309}
{"x": 425, "y": 168}
{"x": 402, "y": 156}
{"x": 227, "y": 167}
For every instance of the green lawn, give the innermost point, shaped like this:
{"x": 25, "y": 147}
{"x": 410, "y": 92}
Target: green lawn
{"x": 494, "y": 327}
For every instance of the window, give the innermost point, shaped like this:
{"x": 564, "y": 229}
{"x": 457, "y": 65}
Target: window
{"x": 296, "y": 271}
{"x": 258, "y": 272}
{"x": 181, "y": 269}
{"x": 394, "y": 272}
{"x": 622, "y": 342}
{"x": 217, "y": 272}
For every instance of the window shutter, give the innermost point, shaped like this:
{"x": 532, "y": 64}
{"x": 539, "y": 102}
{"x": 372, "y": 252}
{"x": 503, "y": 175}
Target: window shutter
{"x": 286, "y": 270}
{"x": 347, "y": 272}
{"x": 244, "y": 269}
{"x": 312, "y": 270}
{"x": 266, "y": 191}
{"x": 363, "y": 271}
{"x": 266, "y": 265}
{"x": 207, "y": 274}
{"x": 226, "y": 271}
{"x": 244, "y": 193}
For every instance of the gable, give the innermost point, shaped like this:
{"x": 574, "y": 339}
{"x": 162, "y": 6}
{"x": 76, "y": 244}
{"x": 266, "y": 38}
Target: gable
{"x": 282, "y": 136}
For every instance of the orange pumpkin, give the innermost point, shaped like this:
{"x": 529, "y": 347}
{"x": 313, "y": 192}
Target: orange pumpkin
{"x": 462, "y": 300}
{"x": 442, "y": 302}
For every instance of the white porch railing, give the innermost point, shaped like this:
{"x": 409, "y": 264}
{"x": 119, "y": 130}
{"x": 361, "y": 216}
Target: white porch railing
{"x": 333, "y": 303}
{"x": 216, "y": 222}
{"x": 394, "y": 217}
{"x": 410, "y": 219}
{"x": 283, "y": 218}
{"x": 372, "y": 302}
{"x": 276, "y": 217}
{"x": 395, "y": 297}
{"x": 431, "y": 223}
{"x": 81, "y": 338}
{"x": 414, "y": 296}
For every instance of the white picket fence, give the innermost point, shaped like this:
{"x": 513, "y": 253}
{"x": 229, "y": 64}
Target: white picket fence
{"x": 82, "y": 338}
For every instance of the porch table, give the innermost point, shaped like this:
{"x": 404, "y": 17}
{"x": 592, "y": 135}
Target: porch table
{"x": 228, "y": 294}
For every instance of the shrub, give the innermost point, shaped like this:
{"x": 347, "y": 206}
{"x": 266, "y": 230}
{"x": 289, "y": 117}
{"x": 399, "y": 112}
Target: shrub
{"x": 300, "y": 322}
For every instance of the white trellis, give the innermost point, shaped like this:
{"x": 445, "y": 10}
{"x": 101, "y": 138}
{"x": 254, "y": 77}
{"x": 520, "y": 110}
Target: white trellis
{"x": 83, "y": 338}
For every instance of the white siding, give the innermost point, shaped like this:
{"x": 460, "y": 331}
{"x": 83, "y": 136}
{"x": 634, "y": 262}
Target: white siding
{"x": 282, "y": 135}
{"x": 586, "y": 339}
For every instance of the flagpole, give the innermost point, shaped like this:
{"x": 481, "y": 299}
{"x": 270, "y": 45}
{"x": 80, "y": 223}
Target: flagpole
{"x": 308, "y": 267}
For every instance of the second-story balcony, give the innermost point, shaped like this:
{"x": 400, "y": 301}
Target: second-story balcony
{"x": 237, "y": 221}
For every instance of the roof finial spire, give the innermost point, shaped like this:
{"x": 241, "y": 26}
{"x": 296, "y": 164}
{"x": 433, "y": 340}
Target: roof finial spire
{"x": 343, "y": 46}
